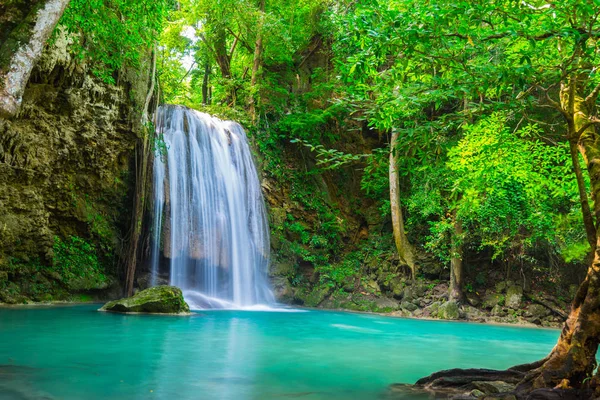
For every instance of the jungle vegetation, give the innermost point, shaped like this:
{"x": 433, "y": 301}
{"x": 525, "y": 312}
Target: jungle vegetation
{"x": 486, "y": 110}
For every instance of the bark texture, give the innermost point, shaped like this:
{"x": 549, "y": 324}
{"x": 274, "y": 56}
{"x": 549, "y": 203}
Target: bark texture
{"x": 22, "y": 48}
{"x": 573, "y": 359}
{"x": 456, "y": 262}
{"x": 143, "y": 181}
{"x": 588, "y": 218}
{"x": 258, "y": 49}
{"x": 403, "y": 246}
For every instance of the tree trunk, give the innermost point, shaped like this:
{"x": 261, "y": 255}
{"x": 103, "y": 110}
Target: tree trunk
{"x": 205, "y": 81}
{"x": 223, "y": 60}
{"x": 143, "y": 179}
{"x": 456, "y": 262}
{"x": 588, "y": 219}
{"x": 22, "y": 48}
{"x": 573, "y": 359}
{"x": 258, "y": 48}
{"x": 404, "y": 248}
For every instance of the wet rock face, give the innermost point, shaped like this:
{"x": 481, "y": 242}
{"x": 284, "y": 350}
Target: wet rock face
{"x": 156, "y": 300}
{"x": 64, "y": 164}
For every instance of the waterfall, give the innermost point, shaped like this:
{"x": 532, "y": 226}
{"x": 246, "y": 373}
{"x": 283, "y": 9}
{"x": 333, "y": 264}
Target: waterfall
{"x": 210, "y": 223}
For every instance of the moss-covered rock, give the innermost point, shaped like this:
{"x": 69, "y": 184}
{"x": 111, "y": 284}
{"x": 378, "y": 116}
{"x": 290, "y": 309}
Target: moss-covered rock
{"x": 406, "y": 305}
{"x": 314, "y": 297}
{"x": 449, "y": 310}
{"x": 491, "y": 300}
{"x": 537, "y": 312}
{"x": 156, "y": 300}
{"x": 514, "y": 297}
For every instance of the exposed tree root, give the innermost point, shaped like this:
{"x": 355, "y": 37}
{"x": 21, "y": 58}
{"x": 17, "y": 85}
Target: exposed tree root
{"x": 495, "y": 384}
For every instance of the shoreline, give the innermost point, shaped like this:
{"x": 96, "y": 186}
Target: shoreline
{"x": 394, "y": 314}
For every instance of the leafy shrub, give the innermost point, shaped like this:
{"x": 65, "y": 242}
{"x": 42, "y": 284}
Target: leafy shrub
{"x": 75, "y": 259}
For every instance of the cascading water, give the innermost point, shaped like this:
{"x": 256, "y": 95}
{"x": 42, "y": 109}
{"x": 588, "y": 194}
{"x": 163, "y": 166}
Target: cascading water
{"x": 209, "y": 214}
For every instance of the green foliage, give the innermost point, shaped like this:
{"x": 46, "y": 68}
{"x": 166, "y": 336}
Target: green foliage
{"x": 112, "y": 34}
{"x": 342, "y": 275}
{"x": 461, "y": 83}
{"x": 506, "y": 184}
{"x": 330, "y": 158}
{"x": 76, "y": 258}
{"x": 375, "y": 181}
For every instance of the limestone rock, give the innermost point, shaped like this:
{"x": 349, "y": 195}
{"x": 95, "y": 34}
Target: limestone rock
{"x": 449, "y": 310}
{"x": 501, "y": 286}
{"x": 498, "y": 311}
{"x": 386, "y": 303}
{"x": 156, "y": 300}
{"x": 514, "y": 297}
{"x": 373, "y": 286}
{"x": 316, "y": 296}
{"x": 537, "y": 311}
{"x": 491, "y": 300}
{"x": 434, "y": 307}
{"x": 414, "y": 291}
{"x": 405, "y": 305}
{"x": 473, "y": 299}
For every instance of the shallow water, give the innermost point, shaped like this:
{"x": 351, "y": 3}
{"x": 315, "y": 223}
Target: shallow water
{"x": 77, "y": 353}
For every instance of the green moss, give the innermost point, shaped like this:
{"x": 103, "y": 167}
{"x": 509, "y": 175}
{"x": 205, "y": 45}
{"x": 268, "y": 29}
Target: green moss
{"x": 76, "y": 262}
{"x": 155, "y": 300}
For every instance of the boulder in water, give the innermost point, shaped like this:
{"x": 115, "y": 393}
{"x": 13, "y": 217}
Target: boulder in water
{"x": 155, "y": 300}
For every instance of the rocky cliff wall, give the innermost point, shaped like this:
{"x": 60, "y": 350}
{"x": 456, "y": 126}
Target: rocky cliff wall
{"x": 65, "y": 178}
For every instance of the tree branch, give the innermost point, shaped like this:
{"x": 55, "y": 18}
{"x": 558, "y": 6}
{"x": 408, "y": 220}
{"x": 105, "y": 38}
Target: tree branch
{"x": 591, "y": 98}
{"x": 555, "y": 104}
{"x": 592, "y": 121}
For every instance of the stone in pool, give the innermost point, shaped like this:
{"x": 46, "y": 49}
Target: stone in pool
{"x": 155, "y": 300}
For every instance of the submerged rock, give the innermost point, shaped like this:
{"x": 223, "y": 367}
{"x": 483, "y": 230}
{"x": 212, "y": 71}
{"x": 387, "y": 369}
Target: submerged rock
{"x": 156, "y": 300}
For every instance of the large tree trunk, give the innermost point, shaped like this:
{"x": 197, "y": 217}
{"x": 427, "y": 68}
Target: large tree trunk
{"x": 22, "y": 46}
{"x": 456, "y": 262}
{"x": 403, "y": 246}
{"x": 573, "y": 359}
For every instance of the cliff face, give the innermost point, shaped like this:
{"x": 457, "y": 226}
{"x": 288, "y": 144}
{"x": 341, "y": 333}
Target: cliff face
{"x": 65, "y": 178}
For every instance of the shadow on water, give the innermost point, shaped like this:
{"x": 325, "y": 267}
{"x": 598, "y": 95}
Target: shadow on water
{"x": 17, "y": 383}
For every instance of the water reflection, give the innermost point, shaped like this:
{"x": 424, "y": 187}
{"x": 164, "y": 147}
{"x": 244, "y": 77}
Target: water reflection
{"x": 77, "y": 353}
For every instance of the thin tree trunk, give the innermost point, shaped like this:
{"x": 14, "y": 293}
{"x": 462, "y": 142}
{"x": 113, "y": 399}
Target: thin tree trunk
{"x": 456, "y": 262}
{"x": 205, "y": 81}
{"x": 142, "y": 181}
{"x": 573, "y": 359}
{"x": 404, "y": 248}
{"x": 588, "y": 219}
{"x": 258, "y": 48}
{"x": 22, "y": 49}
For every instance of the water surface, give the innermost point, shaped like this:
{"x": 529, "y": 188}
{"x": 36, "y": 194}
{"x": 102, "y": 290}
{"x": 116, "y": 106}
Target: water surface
{"x": 77, "y": 353}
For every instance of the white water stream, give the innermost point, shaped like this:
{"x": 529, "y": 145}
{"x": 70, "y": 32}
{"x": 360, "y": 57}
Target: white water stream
{"x": 210, "y": 222}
